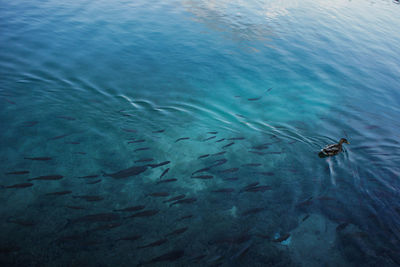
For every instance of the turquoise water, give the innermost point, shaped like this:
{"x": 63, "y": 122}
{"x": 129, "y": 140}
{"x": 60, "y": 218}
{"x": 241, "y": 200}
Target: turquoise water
{"x": 92, "y": 88}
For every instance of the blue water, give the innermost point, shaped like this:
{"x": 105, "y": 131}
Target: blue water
{"x": 102, "y": 86}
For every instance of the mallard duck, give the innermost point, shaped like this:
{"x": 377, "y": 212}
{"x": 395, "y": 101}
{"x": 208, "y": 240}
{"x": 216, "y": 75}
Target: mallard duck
{"x": 332, "y": 150}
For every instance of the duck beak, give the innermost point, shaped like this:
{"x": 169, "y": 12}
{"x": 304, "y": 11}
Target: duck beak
{"x": 348, "y": 142}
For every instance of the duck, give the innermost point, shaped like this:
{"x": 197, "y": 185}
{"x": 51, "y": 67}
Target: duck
{"x": 333, "y": 149}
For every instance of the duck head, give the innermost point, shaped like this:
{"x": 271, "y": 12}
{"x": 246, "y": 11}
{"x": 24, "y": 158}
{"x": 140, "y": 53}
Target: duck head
{"x": 344, "y": 140}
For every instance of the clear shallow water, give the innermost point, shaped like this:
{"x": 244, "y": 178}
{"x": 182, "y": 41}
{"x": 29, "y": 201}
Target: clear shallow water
{"x": 80, "y": 80}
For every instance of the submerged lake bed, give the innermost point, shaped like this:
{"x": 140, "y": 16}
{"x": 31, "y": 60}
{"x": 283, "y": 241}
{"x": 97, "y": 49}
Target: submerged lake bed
{"x": 188, "y": 133}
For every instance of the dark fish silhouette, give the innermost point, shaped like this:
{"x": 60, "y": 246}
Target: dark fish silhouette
{"x": 184, "y": 217}
{"x": 184, "y": 201}
{"x": 276, "y": 153}
{"x": 21, "y": 185}
{"x": 170, "y": 256}
{"x": 257, "y": 152}
{"x": 144, "y": 160}
{"x": 167, "y": 181}
{"x": 21, "y": 222}
{"x": 129, "y": 130}
{"x": 282, "y": 238}
{"x": 154, "y": 244}
{"x": 107, "y": 226}
{"x": 223, "y": 190}
{"x": 260, "y": 188}
{"x": 59, "y": 193}
{"x": 231, "y": 179}
{"x": 236, "y": 138}
{"x": 58, "y": 137}
{"x": 269, "y": 89}
{"x": 164, "y": 173}
{"x": 203, "y": 177}
{"x": 89, "y": 176}
{"x": 220, "y": 140}
{"x": 202, "y": 170}
{"x": 175, "y": 198}
{"x": 254, "y": 99}
{"x": 98, "y": 217}
{"x": 137, "y": 141}
{"x": 250, "y": 186}
{"x": 212, "y": 132}
{"x": 80, "y": 153}
{"x": 261, "y": 147}
{"x": 182, "y": 138}
{"x": 203, "y": 156}
{"x": 159, "y": 164}
{"x": 40, "y": 158}
{"x": 72, "y": 143}
{"x": 253, "y": 211}
{"x": 267, "y": 173}
{"x": 90, "y": 198}
{"x": 47, "y": 177}
{"x": 159, "y": 131}
{"x": 251, "y": 165}
{"x": 219, "y": 153}
{"x": 75, "y": 207}
{"x": 242, "y": 251}
{"x": 141, "y": 149}
{"x": 228, "y": 145}
{"x": 341, "y": 226}
{"x": 177, "y": 231}
{"x": 130, "y": 238}
{"x": 132, "y": 171}
{"x": 219, "y": 162}
{"x": 94, "y": 182}
{"x": 305, "y": 217}
{"x": 146, "y": 213}
{"x": 159, "y": 194}
{"x": 229, "y": 170}
{"x": 132, "y": 208}
{"x": 17, "y": 173}
{"x": 212, "y": 137}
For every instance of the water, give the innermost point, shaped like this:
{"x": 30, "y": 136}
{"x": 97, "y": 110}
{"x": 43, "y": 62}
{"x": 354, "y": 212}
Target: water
{"x": 79, "y": 80}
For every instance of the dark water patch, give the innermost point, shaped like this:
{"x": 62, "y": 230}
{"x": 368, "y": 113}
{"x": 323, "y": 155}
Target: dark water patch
{"x": 89, "y": 176}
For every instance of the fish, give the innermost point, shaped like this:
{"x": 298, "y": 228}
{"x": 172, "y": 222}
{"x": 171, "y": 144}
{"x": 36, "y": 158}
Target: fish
{"x": 58, "y": 137}
{"x": 252, "y": 211}
{"x": 132, "y": 171}
{"x": 209, "y": 138}
{"x": 224, "y": 190}
{"x": 9, "y": 101}
{"x": 269, "y": 89}
{"x": 254, "y": 99}
{"x": 242, "y": 251}
{"x": 220, "y": 140}
{"x": 21, "y": 222}
{"x": 21, "y": 185}
{"x": 229, "y": 170}
{"x": 17, "y": 173}
{"x": 137, "y": 141}
{"x": 167, "y": 181}
{"x": 89, "y": 176}
{"x": 202, "y": 170}
{"x": 175, "y": 198}
{"x": 159, "y": 164}
{"x": 164, "y": 173}
{"x": 159, "y": 131}
{"x": 305, "y": 217}
{"x": 203, "y": 177}
{"x": 282, "y": 238}
{"x": 90, "y": 198}
{"x": 132, "y": 208}
{"x": 341, "y": 226}
{"x": 144, "y": 160}
{"x": 184, "y": 201}
{"x": 40, "y": 158}
{"x": 219, "y": 162}
{"x": 141, "y": 149}
{"x": 182, "y": 138}
{"x": 228, "y": 145}
{"x": 94, "y": 182}
{"x": 267, "y": 173}
{"x": 59, "y": 193}
{"x": 231, "y": 179}
{"x": 146, "y": 213}
{"x": 169, "y": 256}
{"x": 106, "y": 226}
{"x": 159, "y": 194}
{"x": 130, "y": 238}
{"x": 75, "y": 207}
{"x": 184, "y": 217}
{"x": 251, "y": 165}
{"x": 203, "y": 156}
{"x": 250, "y": 186}
{"x": 47, "y": 177}
{"x": 129, "y": 130}
{"x": 93, "y": 218}
{"x": 261, "y": 147}
{"x": 212, "y": 132}
{"x": 177, "y": 231}
{"x": 80, "y": 153}
{"x": 275, "y": 152}
{"x": 236, "y": 138}
{"x": 260, "y": 188}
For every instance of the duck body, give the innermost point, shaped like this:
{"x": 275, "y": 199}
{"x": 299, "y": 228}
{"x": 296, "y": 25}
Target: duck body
{"x": 333, "y": 149}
